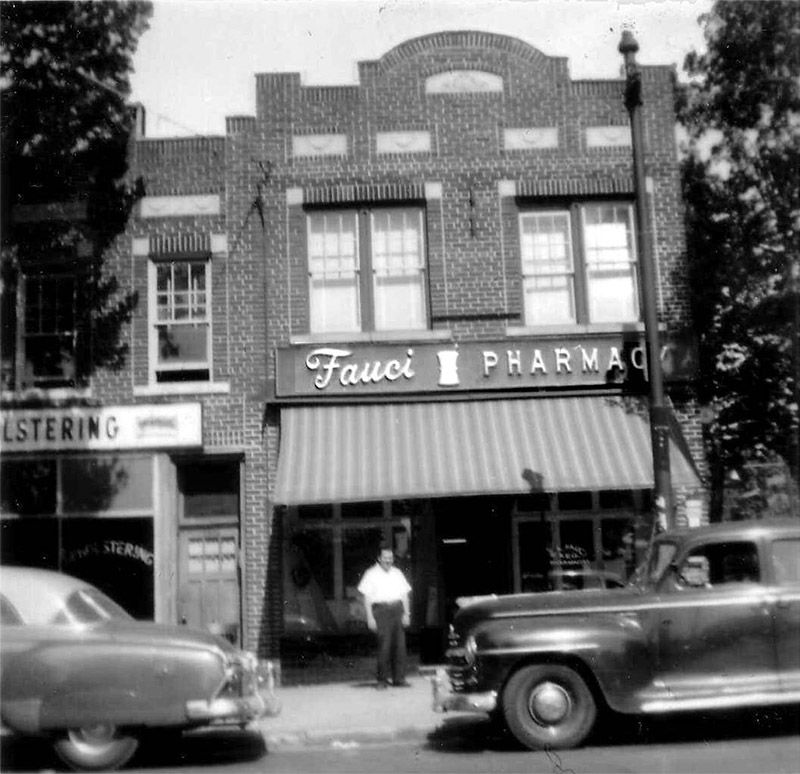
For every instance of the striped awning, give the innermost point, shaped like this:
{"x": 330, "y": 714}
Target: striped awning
{"x": 401, "y": 450}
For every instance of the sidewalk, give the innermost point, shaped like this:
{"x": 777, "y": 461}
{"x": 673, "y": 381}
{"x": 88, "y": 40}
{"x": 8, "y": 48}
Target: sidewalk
{"x": 347, "y": 713}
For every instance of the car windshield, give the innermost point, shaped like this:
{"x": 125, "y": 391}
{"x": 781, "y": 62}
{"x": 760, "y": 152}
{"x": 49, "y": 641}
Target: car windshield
{"x": 89, "y": 605}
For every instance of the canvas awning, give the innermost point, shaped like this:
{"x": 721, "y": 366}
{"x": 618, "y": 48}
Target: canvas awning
{"x": 341, "y": 453}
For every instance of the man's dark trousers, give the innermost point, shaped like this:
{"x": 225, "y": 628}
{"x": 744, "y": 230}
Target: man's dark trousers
{"x": 391, "y": 641}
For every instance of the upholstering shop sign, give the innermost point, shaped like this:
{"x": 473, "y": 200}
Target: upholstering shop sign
{"x": 110, "y": 427}
{"x": 424, "y": 367}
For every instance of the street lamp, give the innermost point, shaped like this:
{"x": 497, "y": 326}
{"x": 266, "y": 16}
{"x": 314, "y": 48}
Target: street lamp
{"x": 659, "y": 411}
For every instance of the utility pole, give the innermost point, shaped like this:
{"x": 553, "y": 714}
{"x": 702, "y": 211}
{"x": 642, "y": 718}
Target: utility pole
{"x": 664, "y": 515}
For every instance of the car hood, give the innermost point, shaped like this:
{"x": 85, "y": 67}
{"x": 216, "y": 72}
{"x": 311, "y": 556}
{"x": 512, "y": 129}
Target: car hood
{"x": 165, "y": 634}
{"x": 547, "y": 603}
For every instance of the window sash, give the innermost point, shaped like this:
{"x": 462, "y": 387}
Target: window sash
{"x": 49, "y": 329}
{"x": 398, "y": 269}
{"x": 590, "y": 277}
{"x": 548, "y": 269}
{"x": 367, "y": 270}
{"x": 180, "y": 337}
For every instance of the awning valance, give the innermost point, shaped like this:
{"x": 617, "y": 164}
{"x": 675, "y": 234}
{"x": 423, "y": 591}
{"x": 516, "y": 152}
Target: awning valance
{"x": 382, "y": 451}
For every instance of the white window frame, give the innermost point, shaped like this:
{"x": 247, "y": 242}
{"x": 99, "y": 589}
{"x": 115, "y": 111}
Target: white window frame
{"x": 22, "y": 373}
{"x": 365, "y": 273}
{"x": 154, "y": 323}
{"x": 580, "y": 274}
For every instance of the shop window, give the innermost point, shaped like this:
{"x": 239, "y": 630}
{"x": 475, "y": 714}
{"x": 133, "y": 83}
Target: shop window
{"x": 209, "y": 489}
{"x": 30, "y": 542}
{"x": 576, "y": 548}
{"x": 616, "y": 498}
{"x": 314, "y": 565}
{"x": 579, "y": 265}
{"x": 359, "y": 551}
{"x": 369, "y": 510}
{"x": 535, "y": 561}
{"x": 575, "y": 501}
{"x": 617, "y": 545}
{"x": 180, "y": 332}
{"x": 103, "y": 483}
{"x": 534, "y": 503}
{"x": 28, "y": 487}
{"x": 49, "y": 330}
{"x": 314, "y": 512}
{"x": 367, "y": 270}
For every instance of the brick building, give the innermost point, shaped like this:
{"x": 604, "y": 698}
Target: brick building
{"x": 405, "y": 310}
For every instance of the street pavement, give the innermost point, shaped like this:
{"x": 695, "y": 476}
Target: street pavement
{"x": 346, "y": 713}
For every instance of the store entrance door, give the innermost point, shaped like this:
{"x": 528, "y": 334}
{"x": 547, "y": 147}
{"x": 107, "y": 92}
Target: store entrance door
{"x": 208, "y": 594}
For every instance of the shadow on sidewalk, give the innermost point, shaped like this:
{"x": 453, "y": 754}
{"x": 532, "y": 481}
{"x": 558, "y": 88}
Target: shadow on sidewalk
{"x": 461, "y": 734}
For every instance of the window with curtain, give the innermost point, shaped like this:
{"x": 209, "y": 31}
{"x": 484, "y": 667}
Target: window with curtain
{"x": 367, "y": 270}
{"x": 579, "y": 265}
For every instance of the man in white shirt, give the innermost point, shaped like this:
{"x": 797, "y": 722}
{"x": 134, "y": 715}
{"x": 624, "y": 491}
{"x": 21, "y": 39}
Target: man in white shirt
{"x": 386, "y": 601}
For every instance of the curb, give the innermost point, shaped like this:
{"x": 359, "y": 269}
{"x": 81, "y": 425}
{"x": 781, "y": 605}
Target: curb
{"x": 345, "y": 737}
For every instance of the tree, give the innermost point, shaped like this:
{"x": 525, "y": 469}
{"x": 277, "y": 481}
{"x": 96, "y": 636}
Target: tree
{"x": 741, "y": 110}
{"x": 64, "y": 85}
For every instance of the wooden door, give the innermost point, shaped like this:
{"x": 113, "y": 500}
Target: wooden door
{"x": 208, "y": 585}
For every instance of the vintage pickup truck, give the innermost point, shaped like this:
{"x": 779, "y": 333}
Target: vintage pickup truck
{"x": 710, "y": 621}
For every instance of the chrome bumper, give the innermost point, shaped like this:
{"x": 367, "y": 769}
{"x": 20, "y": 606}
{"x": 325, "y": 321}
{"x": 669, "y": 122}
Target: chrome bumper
{"x": 240, "y": 709}
{"x": 444, "y": 700}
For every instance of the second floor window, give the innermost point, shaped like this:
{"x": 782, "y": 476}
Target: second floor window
{"x": 367, "y": 270}
{"x": 181, "y": 329}
{"x": 579, "y": 265}
{"x": 49, "y": 335}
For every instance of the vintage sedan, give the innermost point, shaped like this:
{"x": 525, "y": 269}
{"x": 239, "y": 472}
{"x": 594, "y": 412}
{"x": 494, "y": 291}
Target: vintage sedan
{"x": 78, "y": 670}
{"x": 712, "y": 621}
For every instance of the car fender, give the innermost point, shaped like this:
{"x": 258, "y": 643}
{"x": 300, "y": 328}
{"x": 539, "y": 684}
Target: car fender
{"x": 611, "y": 649}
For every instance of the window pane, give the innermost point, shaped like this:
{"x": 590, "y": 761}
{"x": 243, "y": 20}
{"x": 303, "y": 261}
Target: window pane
{"x": 359, "y": 551}
{"x": 209, "y": 488}
{"x": 332, "y": 264}
{"x": 183, "y": 343}
{"x": 398, "y": 264}
{"x": 547, "y": 271}
{"x": 786, "y": 561}
{"x": 100, "y": 483}
{"x": 610, "y": 263}
{"x": 312, "y": 560}
{"x": 577, "y": 544}
{"x": 28, "y": 488}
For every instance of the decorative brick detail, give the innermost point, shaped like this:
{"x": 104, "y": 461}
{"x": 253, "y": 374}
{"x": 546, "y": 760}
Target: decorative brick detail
{"x": 364, "y": 192}
{"x": 178, "y": 206}
{"x": 530, "y": 138}
{"x": 403, "y": 142}
{"x": 304, "y": 145}
{"x": 576, "y": 186}
{"x": 608, "y": 137}
{"x": 180, "y": 244}
{"x": 463, "y": 82}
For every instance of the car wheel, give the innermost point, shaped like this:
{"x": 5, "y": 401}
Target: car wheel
{"x": 548, "y": 706}
{"x": 95, "y": 748}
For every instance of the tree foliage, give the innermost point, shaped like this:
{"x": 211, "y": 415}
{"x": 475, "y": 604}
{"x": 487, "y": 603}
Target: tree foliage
{"x": 741, "y": 110}
{"x": 64, "y": 86}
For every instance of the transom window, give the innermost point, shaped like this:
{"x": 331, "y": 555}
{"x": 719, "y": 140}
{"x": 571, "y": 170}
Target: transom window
{"x": 367, "y": 270}
{"x": 181, "y": 330}
{"x": 579, "y": 265}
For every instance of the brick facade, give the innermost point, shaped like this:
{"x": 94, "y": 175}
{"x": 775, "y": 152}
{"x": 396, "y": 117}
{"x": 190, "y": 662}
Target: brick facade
{"x": 472, "y": 127}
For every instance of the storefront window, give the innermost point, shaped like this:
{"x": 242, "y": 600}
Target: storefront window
{"x": 617, "y": 540}
{"x": 92, "y": 484}
{"x": 359, "y": 551}
{"x": 535, "y": 539}
{"x": 314, "y": 512}
{"x": 28, "y": 487}
{"x": 575, "y": 501}
{"x": 577, "y": 544}
{"x": 313, "y": 561}
{"x": 616, "y": 498}
{"x": 371, "y": 510}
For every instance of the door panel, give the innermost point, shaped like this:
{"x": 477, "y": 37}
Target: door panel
{"x": 717, "y": 639}
{"x": 786, "y": 567}
{"x": 208, "y": 596}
